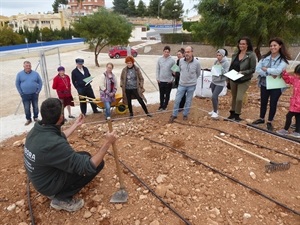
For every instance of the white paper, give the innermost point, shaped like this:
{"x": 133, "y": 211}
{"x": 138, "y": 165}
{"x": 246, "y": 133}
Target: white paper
{"x": 233, "y": 75}
{"x": 216, "y": 70}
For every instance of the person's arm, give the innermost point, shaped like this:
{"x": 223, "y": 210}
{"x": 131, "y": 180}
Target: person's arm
{"x": 98, "y": 157}
{"x": 18, "y": 86}
{"x": 78, "y": 122}
{"x": 40, "y": 83}
{"x": 277, "y": 70}
{"x": 157, "y": 70}
{"x": 54, "y": 85}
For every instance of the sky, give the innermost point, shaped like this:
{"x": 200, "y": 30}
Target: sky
{"x": 14, "y": 7}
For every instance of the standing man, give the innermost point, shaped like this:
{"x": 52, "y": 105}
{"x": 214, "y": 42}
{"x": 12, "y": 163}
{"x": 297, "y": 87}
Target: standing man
{"x": 53, "y": 167}
{"x": 164, "y": 77}
{"x": 29, "y": 85}
{"x": 83, "y": 88}
{"x": 189, "y": 73}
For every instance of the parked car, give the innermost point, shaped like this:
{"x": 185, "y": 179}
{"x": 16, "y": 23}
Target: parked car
{"x": 120, "y": 51}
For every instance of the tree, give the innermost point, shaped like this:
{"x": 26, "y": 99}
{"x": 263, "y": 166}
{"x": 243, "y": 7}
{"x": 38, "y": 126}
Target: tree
{"x": 56, "y": 4}
{"x": 120, "y": 6}
{"x": 9, "y": 37}
{"x": 154, "y": 8}
{"x": 103, "y": 28}
{"x": 172, "y": 9}
{"x": 223, "y": 21}
{"x": 131, "y": 10}
{"x": 141, "y": 9}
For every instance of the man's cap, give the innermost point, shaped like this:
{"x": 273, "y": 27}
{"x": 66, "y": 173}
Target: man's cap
{"x": 79, "y": 61}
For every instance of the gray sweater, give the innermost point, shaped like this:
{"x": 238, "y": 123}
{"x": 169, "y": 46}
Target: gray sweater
{"x": 220, "y": 80}
{"x": 189, "y": 72}
{"x": 163, "y": 69}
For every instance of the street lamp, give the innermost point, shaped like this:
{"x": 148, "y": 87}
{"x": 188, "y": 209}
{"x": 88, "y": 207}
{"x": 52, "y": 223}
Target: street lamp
{"x": 175, "y": 15}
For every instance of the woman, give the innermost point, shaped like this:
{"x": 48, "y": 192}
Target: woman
{"x": 62, "y": 85}
{"x": 108, "y": 88}
{"x": 132, "y": 84}
{"x": 180, "y": 54}
{"x": 271, "y": 64}
{"x": 244, "y": 62}
{"x": 218, "y": 80}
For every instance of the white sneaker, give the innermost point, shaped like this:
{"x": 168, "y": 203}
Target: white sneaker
{"x": 214, "y": 115}
{"x": 210, "y": 113}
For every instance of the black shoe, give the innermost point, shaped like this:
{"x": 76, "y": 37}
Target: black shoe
{"x": 259, "y": 121}
{"x": 97, "y": 111}
{"x": 130, "y": 115}
{"x": 71, "y": 117}
{"x": 231, "y": 116}
{"x": 149, "y": 115}
{"x": 269, "y": 126}
{"x": 237, "y": 117}
{"x": 172, "y": 118}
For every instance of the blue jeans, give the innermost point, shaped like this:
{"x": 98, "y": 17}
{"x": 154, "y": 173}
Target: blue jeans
{"x": 27, "y": 100}
{"x": 107, "y": 108}
{"x": 181, "y": 91}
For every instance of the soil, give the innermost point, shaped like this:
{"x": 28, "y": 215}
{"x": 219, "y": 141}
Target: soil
{"x": 201, "y": 195}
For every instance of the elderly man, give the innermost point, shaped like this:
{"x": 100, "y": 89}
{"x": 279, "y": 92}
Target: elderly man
{"x": 29, "y": 85}
{"x": 83, "y": 87}
{"x": 53, "y": 167}
{"x": 189, "y": 73}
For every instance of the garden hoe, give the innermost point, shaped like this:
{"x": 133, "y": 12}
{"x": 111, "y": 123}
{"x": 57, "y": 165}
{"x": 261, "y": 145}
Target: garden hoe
{"x": 120, "y": 196}
{"x": 270, "y": 167}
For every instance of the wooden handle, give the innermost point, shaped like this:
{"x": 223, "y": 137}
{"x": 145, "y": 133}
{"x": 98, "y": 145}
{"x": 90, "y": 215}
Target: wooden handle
{"x": 244, "y": 150}
{"x": 116, "y": 155}
{"x": 82, "y": 96}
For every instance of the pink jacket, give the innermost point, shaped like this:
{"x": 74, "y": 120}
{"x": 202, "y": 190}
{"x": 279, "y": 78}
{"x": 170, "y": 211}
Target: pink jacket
{"x": 295, "y": 99}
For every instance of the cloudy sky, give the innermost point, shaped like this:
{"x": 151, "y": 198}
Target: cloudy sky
{"x": 13, "y": 7}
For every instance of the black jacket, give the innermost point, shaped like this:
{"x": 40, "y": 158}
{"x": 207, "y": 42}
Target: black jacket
{"x": 77, "y": 77}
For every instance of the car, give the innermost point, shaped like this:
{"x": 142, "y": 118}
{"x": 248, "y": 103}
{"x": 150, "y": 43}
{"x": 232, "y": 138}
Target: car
{"x": 120, "y": 51}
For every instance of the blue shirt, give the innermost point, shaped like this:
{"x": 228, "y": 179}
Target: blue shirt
{"x": 28, "y": 83}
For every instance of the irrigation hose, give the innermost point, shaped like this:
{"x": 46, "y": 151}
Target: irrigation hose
{"x": 29, "y": 202}
{"x": 145, "y": 185}
{"x": 227, "y": 176}
{"x": 249, "y": 142}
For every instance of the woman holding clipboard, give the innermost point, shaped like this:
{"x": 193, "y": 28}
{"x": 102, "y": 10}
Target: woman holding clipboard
{"x": 244, "y": 62}
{"x": 269, "y": 69}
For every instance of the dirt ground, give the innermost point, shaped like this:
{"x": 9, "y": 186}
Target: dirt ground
{"x": 199, "y": 194}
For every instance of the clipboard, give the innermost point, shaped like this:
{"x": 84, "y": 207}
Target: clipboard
{"x": 216, "y": 70}
{"x": 275, "y": 83}
{"x": 88, "y": 80}
{"x": 175, "y": 68}
{"x": 233, "y": 75}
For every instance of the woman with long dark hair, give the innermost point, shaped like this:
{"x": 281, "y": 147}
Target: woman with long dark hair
{"x": 244, "y": 62}
{"x": 272, "y": 64}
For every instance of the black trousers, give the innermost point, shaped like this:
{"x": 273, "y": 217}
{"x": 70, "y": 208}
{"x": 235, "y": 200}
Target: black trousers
{"x": 86, "y": 91}
{"x": 274, "y": 95}
{"x": 288, "y": 121}
{"x": 75, "y": 183}
{"x": 164, "y": 93}
{"x": 133, "y": 93}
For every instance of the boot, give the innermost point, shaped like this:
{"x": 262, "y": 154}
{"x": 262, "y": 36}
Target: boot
{"x": 237, "y": 117}
{"x": 232, "y": 115}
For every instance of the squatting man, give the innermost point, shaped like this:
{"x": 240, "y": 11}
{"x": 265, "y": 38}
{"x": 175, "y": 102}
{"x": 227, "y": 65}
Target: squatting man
{"x": 55, "y": 169}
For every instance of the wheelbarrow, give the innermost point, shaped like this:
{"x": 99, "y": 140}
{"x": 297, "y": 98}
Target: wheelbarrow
{"x": 119, "y": 106}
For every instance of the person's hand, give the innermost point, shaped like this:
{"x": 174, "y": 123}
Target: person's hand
{"x": 80, "y": 119}
{"x": 111, "y": 94}
{"x": 264, "y": 69}
{"x": 111, "y": 137}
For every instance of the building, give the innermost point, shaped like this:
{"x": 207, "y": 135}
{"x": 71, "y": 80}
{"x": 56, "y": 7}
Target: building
{"x": 50, "y": 20}
{"x": 84, "y": 7}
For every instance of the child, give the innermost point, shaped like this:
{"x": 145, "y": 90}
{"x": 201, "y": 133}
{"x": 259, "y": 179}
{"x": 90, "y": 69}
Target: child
{"x": 294, "y": 103}
{"x": 218, "y": 81}
{"x": 108, "y": 88}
